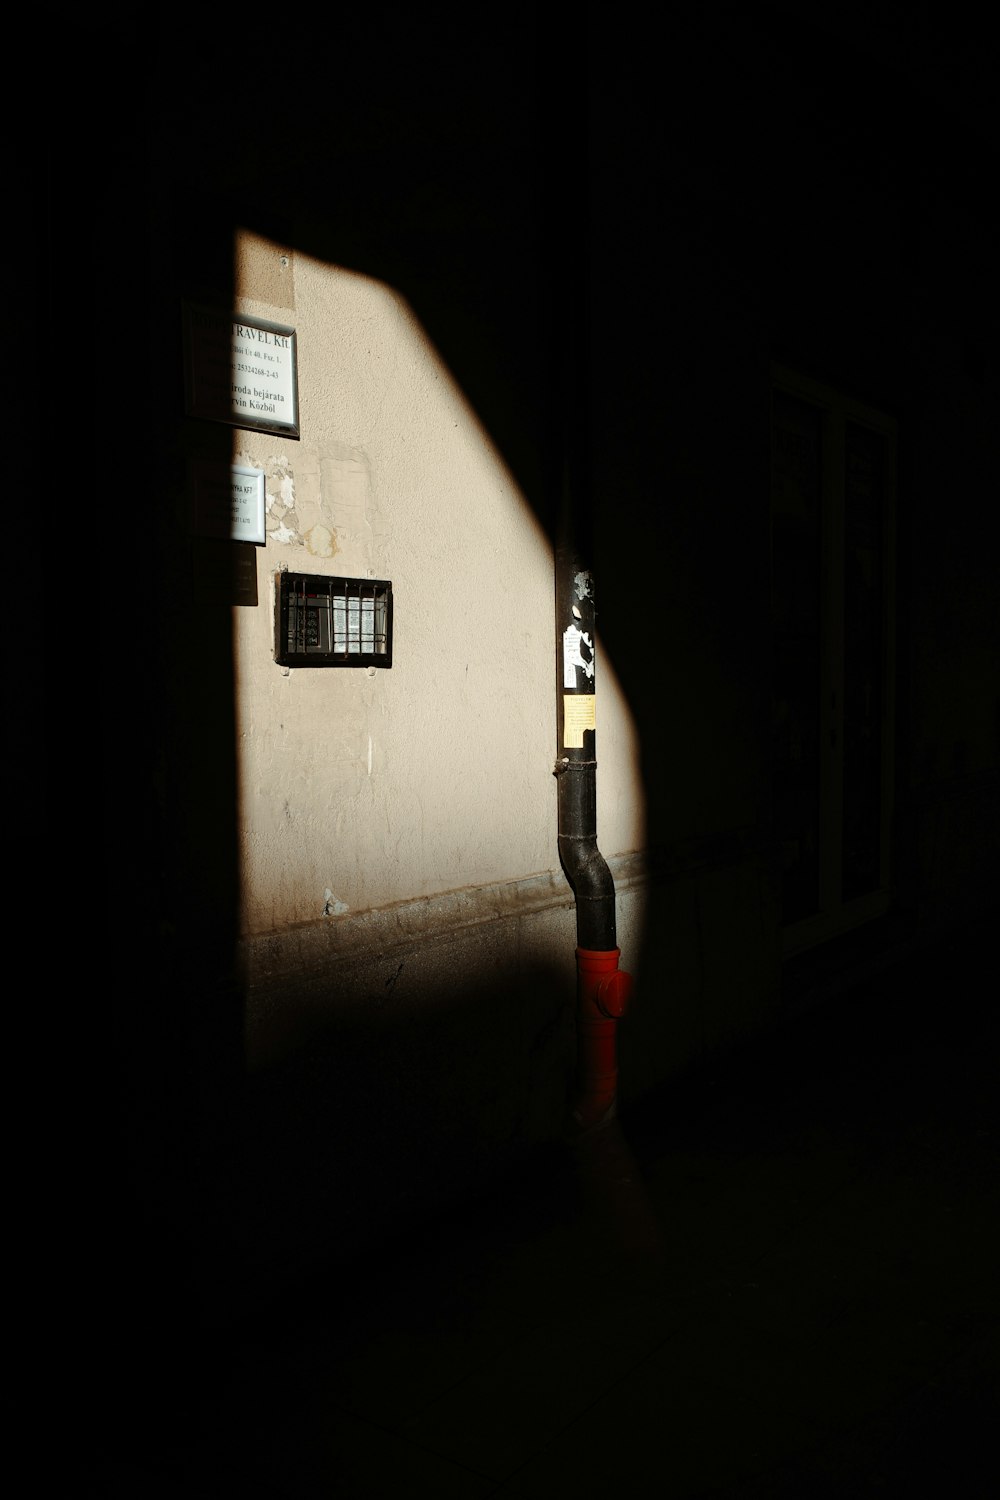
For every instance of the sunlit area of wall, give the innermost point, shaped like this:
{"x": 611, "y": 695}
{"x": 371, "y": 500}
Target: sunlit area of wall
{"x": 362, "y": 787}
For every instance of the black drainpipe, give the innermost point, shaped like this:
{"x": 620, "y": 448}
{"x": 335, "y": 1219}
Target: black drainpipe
{"x": 576, "y": 764}
{"x": 602, "y": 988}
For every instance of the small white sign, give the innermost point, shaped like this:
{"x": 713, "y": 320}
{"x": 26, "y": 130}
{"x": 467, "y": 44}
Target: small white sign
{"x": 229, "y": 502}
{"x": 240, "y": 370}
{"x": 574, "y": 640}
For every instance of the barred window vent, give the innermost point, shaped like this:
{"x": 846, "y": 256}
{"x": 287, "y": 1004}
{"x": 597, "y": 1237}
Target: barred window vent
{"x": 332, "y": 622}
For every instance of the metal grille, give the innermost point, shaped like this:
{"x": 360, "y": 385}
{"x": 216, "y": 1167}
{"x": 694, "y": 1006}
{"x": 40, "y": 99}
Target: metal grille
{"x": 333, "y": 622}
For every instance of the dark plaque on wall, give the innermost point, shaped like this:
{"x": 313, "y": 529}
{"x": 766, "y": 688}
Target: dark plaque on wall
{"x": 224, "y": 573}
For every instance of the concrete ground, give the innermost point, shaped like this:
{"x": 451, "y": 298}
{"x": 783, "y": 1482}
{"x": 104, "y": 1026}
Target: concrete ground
{"x": 775, "y": 1281}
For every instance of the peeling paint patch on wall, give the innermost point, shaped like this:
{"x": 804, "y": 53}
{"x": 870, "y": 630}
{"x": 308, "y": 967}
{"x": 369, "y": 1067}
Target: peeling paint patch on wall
{"x": 321, "y": 541}
{"x": 347, "y": 503}
{"x": 332, "y": 905}
{"x": 282, "y": 533}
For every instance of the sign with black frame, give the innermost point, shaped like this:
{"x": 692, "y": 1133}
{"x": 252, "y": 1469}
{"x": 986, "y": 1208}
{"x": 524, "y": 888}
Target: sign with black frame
{"x": 240, "y": 370}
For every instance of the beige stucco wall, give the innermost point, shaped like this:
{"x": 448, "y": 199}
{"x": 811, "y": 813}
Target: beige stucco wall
{"x": 363, "y": 787}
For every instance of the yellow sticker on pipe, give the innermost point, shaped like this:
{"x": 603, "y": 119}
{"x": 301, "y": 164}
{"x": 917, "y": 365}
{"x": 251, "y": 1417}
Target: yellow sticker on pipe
{"x": 579, "y": 713}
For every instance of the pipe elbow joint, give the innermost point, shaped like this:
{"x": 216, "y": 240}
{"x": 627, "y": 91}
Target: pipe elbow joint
{"x": 613, "y": 994}
{"x": 603, "y": 985}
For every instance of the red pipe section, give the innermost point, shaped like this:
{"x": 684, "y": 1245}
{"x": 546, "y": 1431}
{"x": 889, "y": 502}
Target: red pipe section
{"x": 603, "y": 991}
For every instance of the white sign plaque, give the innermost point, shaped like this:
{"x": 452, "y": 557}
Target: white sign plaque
{"x": 240, "y": 370}
{"x": 229, "y": 502}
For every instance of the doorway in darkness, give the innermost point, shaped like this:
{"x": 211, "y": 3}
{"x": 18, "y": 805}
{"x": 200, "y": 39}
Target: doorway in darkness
{"x": 833, "y": 468}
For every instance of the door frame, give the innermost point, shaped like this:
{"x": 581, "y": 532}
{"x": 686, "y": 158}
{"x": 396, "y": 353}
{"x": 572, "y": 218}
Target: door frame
{"x": 835, "y": 915}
